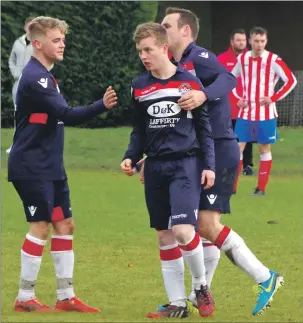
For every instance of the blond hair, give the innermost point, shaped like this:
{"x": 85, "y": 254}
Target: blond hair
{"x": 39, "y": 26}
{"x": 187, "y": 17}
{"x": 151, "y": 29}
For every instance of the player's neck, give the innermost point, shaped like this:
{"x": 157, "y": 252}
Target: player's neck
{"x": 178, "y": 52}
{"x": 165, "y": 72}
{"x": 257, "y": 54}
{"x": 44, "y": 61}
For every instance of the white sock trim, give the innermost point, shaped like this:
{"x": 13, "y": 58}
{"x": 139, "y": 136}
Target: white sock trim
{"x": 25, "y": 295}
{"x": 266, "y": 157}
{"x": 66, "y": 237}
{"x": 179, "y": 303}
{"x": 35, "y": 240}
{"x": 66, "y": 293}
{"x": 61, "y": 251}
{"x": 264, "y": 278}
{"x": 171, "y": 246}
{"x": 29, "y": 255}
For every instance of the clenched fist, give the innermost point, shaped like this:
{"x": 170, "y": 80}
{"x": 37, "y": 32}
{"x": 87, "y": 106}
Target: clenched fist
{"x": 126, "y": 167}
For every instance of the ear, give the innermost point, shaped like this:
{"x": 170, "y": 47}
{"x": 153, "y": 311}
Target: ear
{"x": 186, "y": 30}
{"x": 165, "y": 48}
{"x": 37, "y": 44}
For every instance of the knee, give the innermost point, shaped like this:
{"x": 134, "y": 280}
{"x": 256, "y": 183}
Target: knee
{"x": 209, "y": 224}
{"x": 165, "y": 238}
{"x": 39, "y": 230}
{"x": 64, "y": 227}
{"x": 183, "y": 233}
{"x": 204, "y": 230}
{"x": 70, "y": 227}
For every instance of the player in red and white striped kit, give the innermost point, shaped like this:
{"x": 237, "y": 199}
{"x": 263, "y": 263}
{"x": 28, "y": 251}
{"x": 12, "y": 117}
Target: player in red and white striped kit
{"x": 260, "y": 71}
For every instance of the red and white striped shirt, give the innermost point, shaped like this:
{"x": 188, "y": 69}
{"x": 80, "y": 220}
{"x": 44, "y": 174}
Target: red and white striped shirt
{"x": 259, "y": 77}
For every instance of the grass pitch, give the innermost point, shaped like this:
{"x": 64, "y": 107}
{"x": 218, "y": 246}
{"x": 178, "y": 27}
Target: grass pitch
{"x": 117, "y": 264}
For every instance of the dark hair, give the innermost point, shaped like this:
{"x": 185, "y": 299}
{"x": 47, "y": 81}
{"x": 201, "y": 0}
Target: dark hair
{"x": 29, "y": 19}
{"x": 258, "y": 31}
{"x": 187, "y": 17}
{"x": 236, "y": 31}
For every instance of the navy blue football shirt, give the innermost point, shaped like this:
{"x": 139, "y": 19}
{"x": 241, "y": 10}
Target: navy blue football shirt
{"x": 161, "y": 128}
{"x": 41, "y": 111}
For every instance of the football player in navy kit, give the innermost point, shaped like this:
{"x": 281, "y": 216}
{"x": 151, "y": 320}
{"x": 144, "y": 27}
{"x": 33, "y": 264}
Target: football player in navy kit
{"x": 182, "y": 28}
{"x": 35, "y": 166}
{"x": 175, "y": 142}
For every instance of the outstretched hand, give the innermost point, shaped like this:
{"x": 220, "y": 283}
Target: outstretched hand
{"x": 110, "y": 98}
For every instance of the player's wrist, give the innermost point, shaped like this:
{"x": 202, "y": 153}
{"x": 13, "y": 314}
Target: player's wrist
{"x": 208, "y": 168}
{"x": 273, "y": 99}
{"x": 132, "y": 159}
{"x": 204, "y": 95}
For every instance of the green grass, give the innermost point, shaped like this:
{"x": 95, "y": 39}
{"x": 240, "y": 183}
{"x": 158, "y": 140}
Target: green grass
{"x": 112, "y": 231}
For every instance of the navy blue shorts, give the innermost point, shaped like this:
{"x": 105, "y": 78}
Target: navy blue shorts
{"x": 217, "y": 198}
{"x": 172, "y": 191}
{"x": 44, "y": 200}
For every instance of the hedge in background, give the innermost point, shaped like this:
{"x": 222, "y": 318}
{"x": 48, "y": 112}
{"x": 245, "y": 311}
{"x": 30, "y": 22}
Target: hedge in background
{"x": 99, "y": 51}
